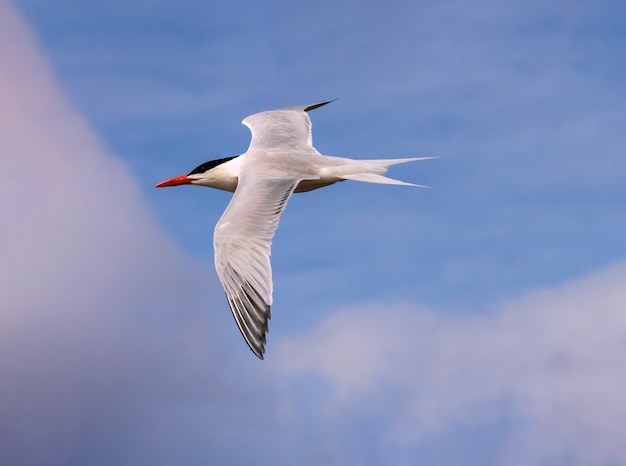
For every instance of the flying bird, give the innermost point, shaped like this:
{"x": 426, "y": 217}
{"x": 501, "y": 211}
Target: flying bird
{"x": 280, "y": 160}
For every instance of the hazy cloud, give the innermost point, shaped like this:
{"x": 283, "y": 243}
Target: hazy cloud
{"x": 549, "y": 365}
{"x": 110, "y": 351}
{"x": 107, "y": 355}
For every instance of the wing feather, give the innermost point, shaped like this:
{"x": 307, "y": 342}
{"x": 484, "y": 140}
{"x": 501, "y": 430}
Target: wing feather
{"x": 284, "y": 128}
{"x": 242, "y": 242}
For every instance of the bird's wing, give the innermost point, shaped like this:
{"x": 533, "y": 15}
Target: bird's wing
{"x": 242, "y": 242}
{"x": 285, "y": 128}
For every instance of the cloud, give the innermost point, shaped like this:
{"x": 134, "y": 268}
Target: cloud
{"x": 549, "y": 365}
{"x": 107, "y": 352}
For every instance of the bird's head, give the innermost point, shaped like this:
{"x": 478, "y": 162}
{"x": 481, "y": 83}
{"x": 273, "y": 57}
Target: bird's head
{"x": 206, "y": 174}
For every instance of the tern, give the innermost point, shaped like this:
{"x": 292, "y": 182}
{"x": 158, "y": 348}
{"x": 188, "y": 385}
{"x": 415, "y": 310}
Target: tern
{"x": 280, "y": 160}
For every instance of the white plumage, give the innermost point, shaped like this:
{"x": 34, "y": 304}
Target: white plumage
{"x": 280, "y": 160}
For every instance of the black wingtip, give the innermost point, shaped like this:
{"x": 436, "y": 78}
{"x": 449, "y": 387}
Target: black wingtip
{"x": 321, "y": 104}
{"x": 255, "y": 341}
{"x": 257, "y": 349}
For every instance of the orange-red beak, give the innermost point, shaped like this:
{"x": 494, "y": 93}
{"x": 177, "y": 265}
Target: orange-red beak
{"x": 177, "y": 180}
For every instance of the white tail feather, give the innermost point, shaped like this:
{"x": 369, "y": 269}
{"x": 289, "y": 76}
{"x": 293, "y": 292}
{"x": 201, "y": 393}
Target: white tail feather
{"x": 390, "y": 162}
{"x": 373, "y": 178}
{"x": 372, "y": 171}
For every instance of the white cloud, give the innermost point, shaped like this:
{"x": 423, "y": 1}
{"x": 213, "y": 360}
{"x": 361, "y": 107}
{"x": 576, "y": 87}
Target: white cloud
{"x": 551, "y": 363}
{"x": 106, "y": 352}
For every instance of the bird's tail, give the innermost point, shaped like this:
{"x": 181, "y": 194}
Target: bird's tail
{"x": 372, "y": 171}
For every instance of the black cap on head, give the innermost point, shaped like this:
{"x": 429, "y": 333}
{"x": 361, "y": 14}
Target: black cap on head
{"x": 206, "y": 166}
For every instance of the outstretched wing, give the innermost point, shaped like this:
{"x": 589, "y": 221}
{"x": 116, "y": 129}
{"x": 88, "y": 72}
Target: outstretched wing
{"x": 285, "y": 128}
{"x": 242, "y": 242}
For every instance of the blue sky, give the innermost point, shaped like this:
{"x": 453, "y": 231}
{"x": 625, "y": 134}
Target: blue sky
{"x": 477, "y": 322}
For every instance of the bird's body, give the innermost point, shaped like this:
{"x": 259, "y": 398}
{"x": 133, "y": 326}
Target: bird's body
{"x": 311, "y": 168}
{"x": 281, "y": 160}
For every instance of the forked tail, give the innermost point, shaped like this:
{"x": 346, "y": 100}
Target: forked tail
{"x": 372, "y": 171}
